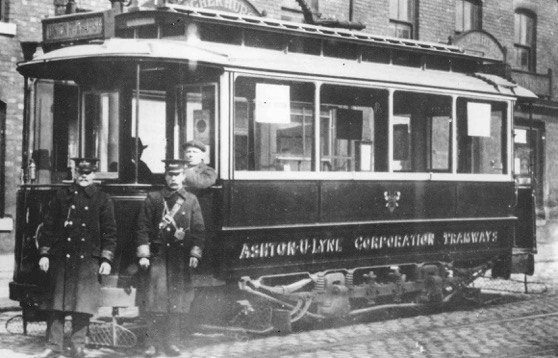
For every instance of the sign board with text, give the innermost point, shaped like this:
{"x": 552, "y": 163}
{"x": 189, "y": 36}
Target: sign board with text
{"x": 75, "y": 28}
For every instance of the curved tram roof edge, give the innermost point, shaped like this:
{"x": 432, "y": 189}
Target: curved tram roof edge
{"x": 235, "y": 57}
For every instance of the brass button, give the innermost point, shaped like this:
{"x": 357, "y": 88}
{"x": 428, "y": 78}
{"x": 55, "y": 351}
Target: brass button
{"x": 86, "y": 208}
{"x": 69, "y": 239}
{"x": 83, "y": 224}
{"x": 73, "y": 206}
{"x": 68, "y": 255}
{"x": 82, "y": 239}
{"x": 81, "y": 256}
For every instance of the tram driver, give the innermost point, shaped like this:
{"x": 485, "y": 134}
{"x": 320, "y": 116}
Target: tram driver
{"x": 170, "y": 237}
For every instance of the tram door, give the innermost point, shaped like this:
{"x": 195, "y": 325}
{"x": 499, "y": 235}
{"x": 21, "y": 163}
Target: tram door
{"x": 196, "y": 119}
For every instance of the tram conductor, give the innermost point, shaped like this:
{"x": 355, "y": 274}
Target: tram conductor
{"x": 170, "y": 237}
{"x": 76, "y": 246}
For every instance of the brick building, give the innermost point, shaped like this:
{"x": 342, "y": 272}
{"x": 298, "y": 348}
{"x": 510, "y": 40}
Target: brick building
{"x": 520, "y": 32}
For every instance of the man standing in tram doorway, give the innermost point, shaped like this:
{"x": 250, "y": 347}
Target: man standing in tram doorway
{"x": 198, "y": 175}
{"x": 128, "y": 171}
{"x": 170, "y": 238}
{"x": 76, "y": 245}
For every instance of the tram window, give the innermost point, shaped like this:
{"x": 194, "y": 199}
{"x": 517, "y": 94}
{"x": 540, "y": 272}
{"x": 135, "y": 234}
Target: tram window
{"x": 219, "y": 33}
{"x": 267, "y": 40}
{"x": 406, "y": 59}
{"x": 305, "y": 45}
{"x": 148, "y": 32}
{"x": 151, "y": 129}
{"x": 125, "y": 33}
{"x": 377, "y": 55}
{"x": 481, "y": 137}
{"x": 174, "y": 29}
{"x": 195, "y": 117}
{"x": 340, "y": 49}
{"x": 274, "y": 125}
{"x": 421, "y": 128}
{"x": 352, "y": 128}
{"x": 437, "y": 63}
{"x": 100, "y": 130}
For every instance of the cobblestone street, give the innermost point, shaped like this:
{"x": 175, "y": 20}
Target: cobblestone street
{"x": 524, "y": 327}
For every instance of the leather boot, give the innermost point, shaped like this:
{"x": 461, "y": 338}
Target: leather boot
{"x": 78, "y": 352}
{"x": 47, "y": 353}
{"x": 172, "y": 351}
{"x": 151, "y": 351}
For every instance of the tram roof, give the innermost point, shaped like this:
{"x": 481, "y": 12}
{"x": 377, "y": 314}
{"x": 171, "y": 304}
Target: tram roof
{"x": 272, "y": 24}
{"x": 64, "y": 63}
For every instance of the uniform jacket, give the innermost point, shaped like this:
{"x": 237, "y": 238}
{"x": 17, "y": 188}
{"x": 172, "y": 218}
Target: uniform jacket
{"x": 200, "y": 176}
{"x": 79, "y": 231}
{"x": 165, "y": 285}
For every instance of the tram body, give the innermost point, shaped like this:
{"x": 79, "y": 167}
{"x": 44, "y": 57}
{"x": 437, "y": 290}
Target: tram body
{"x": 354, "y": 171}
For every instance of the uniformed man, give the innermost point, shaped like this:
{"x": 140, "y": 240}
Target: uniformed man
{"x": 170, "y": 238}
{"x": 198, "y": 174}
{"x": 76, "y": 246}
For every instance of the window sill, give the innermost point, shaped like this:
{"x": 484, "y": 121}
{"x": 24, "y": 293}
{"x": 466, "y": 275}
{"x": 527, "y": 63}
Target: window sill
{"x": 8, "y": 29}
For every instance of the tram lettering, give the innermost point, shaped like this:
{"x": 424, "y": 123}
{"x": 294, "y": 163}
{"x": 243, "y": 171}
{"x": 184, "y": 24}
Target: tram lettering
{"x": 365, "y": 243}
{"x": 320, "y": 246}
{"x": 470, "y": 237}
{"x": 290, "y": 248}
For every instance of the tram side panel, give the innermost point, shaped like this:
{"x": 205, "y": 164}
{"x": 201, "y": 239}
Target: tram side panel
{"x": 333, "y": 225}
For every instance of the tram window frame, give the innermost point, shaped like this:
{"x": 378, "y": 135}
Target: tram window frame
{"x": 93, "y": 146}
{"x": 472, "y": 147}
{"x": 273, "y": 91}
{"x": 353, "y": 119}
{"x": 415, "y": 137}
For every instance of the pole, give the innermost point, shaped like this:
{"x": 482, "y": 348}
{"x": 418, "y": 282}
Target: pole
{"x": 136, "y": 152}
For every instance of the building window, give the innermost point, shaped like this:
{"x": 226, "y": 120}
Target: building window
{"x": 468, "y": 15}
{"x": 402, "y": 18}
{"x": 524, "y": 40}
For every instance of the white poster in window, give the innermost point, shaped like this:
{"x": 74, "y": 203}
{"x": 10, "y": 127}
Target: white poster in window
{"x": 478, "y": 119}
{"x": 520, "y": 136}
{"x": 273, "y": 103}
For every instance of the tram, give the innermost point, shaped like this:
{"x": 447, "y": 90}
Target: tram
{"x": 355, "y": 171}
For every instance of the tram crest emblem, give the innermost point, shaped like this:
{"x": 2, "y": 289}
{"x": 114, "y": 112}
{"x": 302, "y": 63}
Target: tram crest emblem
{"x": 392, "y": 199}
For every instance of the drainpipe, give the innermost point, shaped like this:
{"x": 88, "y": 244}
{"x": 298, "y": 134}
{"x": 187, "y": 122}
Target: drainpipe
{"x": 313, "y": 19}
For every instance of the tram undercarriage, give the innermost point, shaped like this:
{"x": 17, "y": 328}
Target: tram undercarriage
{"x": 275, "y": 303}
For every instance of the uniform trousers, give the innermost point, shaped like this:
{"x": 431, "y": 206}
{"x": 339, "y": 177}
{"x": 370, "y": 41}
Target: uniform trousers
{"x": 163, "y": 329}
{"x": 55, "y": 334}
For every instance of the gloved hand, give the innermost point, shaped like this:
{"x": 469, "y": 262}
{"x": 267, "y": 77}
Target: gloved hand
{"x": 194, "y": 262}
{"x": 44, "y": 264}
{"x": 144, "y": 262}
{"x": 104, "y": 269}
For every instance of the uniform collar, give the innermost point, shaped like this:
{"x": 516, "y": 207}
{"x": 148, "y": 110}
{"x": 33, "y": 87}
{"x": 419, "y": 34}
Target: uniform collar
{"x": 88, "y": 190}
{"x": 167, "y": 193}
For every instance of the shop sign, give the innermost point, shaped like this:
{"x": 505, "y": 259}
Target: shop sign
{"x": 480, "y": 43}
